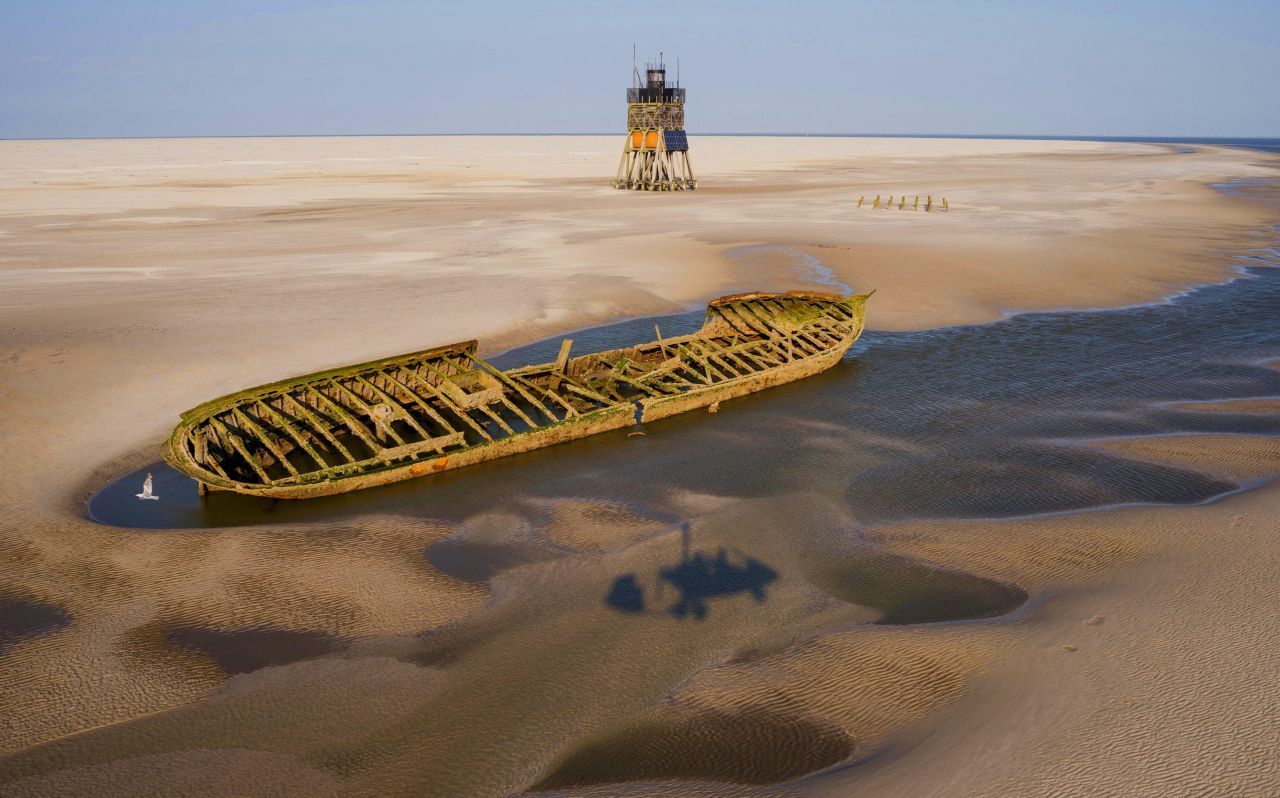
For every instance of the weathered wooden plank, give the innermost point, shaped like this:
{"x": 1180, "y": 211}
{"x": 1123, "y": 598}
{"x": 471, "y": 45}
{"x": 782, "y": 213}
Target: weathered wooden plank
{"x": 666, "y": 378}
{"x": 605, "y": 386}
{"x": 437, "y": 445}
{"x": 488, "y": 411}
{"x": 447, "y": 402}
{"x": 364, "y": 408}
{"x": 661, "y": 345}
{"x": 741, "y": 322}
{"x": 730, "y": 356}
{"x": 701, "y": 377}
{"x": 514, "y": 408}
{"x": 738, "y": 362}
{"x": 555, "y": 397}
{"x": 320, "y": 426}
{"x": 515, "y": 386}
{"x": 397, "y": 409}
{"x": 540, "y": 390}
{"x": 301, "y": 440}
{"x": 738, "y": 322}
{"x": 822, "y": 337}
{"x": 582, "y": 390}
{"x": 763, "y": 320}
{"x": 562, "y": 362}
{"x": 238, "y": 445}
{"x": 713, "y": 374}
{"x": 708, "y": 350}
{"x": 479, "y": 365}
{"x": 246, "y": 421}
{"x": 709, "y": 372}
{"x": 205, "y": 457}
{"x": 811, "y": 345}
{"x": 357, "y": 428}
{"x": 638, "y": 384}
{"x": 756, "y": 359}
{"x": 479, "y": 405}
{"x": 422, "y": 403}
{"x": 721, "y": 363}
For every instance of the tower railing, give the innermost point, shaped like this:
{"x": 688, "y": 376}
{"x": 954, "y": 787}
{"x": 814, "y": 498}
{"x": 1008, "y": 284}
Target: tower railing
{"x": 669, "y": 95}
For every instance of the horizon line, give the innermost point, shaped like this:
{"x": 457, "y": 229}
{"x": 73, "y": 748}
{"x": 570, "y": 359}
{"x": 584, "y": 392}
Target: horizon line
{"x": 1014, "y": 136}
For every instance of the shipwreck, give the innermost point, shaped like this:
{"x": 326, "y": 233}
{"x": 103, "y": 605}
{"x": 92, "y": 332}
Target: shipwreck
{"x": 407, "y": 416}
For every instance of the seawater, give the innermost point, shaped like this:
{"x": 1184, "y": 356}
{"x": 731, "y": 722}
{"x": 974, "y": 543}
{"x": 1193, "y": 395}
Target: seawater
{"x": 956, "y": 422}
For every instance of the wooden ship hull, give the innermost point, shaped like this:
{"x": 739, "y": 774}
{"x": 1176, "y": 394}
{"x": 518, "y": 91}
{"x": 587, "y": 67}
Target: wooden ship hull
{"x": 401, "y": 417}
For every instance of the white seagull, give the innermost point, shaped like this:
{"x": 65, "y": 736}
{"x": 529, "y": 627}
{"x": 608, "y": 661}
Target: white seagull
{"x": 146, "y": 490}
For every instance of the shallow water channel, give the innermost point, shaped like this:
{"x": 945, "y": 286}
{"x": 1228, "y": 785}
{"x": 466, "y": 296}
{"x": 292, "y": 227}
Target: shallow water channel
{"x": 954, "y": 422}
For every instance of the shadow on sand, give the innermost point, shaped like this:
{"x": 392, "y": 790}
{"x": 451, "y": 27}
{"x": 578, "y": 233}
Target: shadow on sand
{"x": 698, "y": 577}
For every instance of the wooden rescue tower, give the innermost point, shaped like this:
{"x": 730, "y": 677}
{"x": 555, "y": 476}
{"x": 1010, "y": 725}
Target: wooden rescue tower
{"x": 655, "y": 156}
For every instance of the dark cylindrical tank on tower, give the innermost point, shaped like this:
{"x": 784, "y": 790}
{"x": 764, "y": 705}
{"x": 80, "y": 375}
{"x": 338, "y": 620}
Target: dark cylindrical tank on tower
{"x": 657, "y": 78}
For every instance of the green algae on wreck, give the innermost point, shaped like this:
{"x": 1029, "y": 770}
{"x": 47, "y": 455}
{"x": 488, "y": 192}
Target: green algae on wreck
{"x": 406, "y": 416}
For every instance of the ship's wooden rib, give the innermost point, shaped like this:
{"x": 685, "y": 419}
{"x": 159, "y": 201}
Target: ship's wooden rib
{"x": 708, "y": 374}
{"x": 515, "y": 386}
{"x": 418, "y": 400}
{"x": 555, "y": 397}
{"x": 745, "y": 323}
{"x": 357, "y": 429}
{"x": 444, "y": 400}
{"x": 729, "y": 356}
{"x": 299, "y": 439}
{"x": 482, "y": 407}
{"x": 712, "y": 353}
{"x": 396, "y": 409}
{"x": 479, "y": 365}
{"x": 768, "y": 329}
{"x": 239, "y": 446}
{"x": 562, "y": 362}
{"x": 520, "y": 414}
{"x": 319, "y": 426}
{"x": 635, "y": 383}
{"x": 367, "y": 411}
{"x": 570, "y": 385}
{"x": 245, "y": 421}
{"x": 446, "y": 407}
{"x": 209, "y": 461}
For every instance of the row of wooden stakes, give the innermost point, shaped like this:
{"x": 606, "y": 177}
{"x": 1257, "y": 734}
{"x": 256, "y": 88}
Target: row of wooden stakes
{"x": 929, "y": 204}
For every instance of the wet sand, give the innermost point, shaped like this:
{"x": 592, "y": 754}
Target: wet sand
{"x": 393, "y": 652}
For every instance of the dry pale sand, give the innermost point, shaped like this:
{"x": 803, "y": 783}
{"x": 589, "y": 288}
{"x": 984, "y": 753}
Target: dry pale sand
{"x": 138, "y": 278}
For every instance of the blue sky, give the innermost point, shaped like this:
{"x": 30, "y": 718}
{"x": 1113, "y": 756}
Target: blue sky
{"x": 84, "y": 69}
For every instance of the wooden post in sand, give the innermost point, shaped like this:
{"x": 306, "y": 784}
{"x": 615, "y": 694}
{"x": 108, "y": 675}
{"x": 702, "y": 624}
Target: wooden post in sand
{"x": 877, "y": 204}
{"x": 945, "y": 206}
{"x": 915, "y": 205}
{"x": 860, "y": 199}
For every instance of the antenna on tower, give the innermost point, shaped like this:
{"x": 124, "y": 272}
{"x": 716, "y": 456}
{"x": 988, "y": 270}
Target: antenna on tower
{"x": 677, "y": 72}
{"x": 635, "y": 73}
